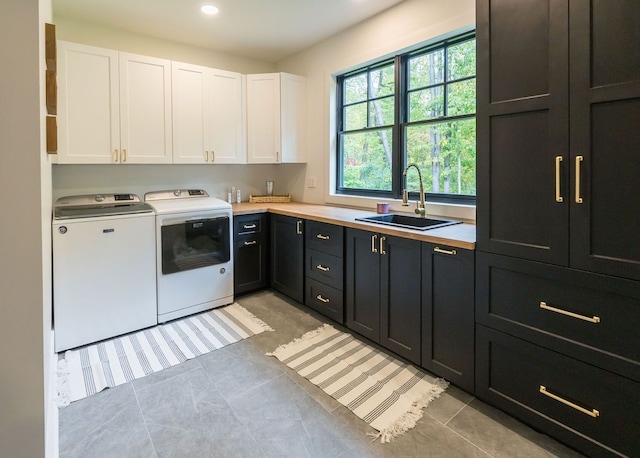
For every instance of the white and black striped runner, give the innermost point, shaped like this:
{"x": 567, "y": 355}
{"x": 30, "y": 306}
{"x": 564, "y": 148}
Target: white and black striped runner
{"x": 87, "y": 370}
{"x": 383, "y": 391}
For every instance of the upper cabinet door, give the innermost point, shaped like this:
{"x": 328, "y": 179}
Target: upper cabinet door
{"x": 605, "y": 138}
{"x": 190, "y": 113}
{"x": 263, "y": 118}
{"x": 293, "y": 117}
{"x": 88, "y": 105}
{"x": 522, "y": 128}
{"x": 227, "y": 117}
{"x": 145, "y": 109}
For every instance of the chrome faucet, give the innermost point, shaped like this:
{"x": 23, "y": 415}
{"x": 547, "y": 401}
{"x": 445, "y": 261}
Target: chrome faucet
{"x": 421, "y": 208}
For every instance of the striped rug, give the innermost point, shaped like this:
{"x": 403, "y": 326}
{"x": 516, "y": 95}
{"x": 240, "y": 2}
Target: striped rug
{"x": 383, "y": 391}
{"x": 88, "y": 370}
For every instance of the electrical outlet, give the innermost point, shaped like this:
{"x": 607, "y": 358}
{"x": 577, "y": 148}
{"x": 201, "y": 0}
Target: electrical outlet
{"x": 311, "y": 182}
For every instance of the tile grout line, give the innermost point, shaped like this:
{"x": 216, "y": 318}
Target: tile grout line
{"x": 446, "y": 425}
{"x": 459, "y": 410}
{"x": 144, "y": 419}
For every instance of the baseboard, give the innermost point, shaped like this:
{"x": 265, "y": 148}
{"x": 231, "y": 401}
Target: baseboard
{"x": 52, "y": 431}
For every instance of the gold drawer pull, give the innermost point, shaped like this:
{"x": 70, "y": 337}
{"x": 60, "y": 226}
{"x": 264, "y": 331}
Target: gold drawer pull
{"x": 322, "y": 268}
{"x": 382, "y": 250}
{"x": 593, "y": 319}
{"x": 322, "y": 299}
{"x": 592, "y": 413}
{"x": 322, "y": 237}
{"x": 250, "y": 242}
{"x": 299, "y": 227}
{"x": 374, "y": 239}
{"x": 440, "y": 250}
{"x": 249, "y": 226}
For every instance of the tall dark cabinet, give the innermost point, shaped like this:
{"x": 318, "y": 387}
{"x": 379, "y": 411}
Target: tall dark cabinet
{"x": 558, "y": 212}
{"x": 287, "y": 256}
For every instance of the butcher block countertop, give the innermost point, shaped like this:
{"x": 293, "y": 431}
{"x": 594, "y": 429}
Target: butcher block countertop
{"x": 459, "y": 235}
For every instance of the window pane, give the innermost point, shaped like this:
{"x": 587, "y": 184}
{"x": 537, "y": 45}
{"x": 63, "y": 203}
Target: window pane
{"x": 446, "y": 154}
{"x": 367, "y": 160}
{"x": 381, "y": 112}
{"x": 382, "y": 81}
{"x": 461, "y": 60}
{"x": 355, "y": 116}
{"x": 427, "y": 69}
{"x": 355, "y": 88}
{"x": 461, "y": 98}
{"x": 426, "y": 104}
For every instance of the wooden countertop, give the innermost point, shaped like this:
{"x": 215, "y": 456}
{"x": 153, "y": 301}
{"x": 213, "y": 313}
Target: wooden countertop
{"x": 459, "y": 235}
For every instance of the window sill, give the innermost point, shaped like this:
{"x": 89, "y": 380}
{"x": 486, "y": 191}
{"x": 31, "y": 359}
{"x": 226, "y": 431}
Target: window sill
{"x": 466, "y": 213}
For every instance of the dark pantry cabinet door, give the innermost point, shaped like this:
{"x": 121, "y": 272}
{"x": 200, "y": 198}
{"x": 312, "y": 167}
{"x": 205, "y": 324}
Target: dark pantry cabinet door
{"x": 605, "y": 138}
{"x": 287, "y": 256}
{"x": 522, "y": 128}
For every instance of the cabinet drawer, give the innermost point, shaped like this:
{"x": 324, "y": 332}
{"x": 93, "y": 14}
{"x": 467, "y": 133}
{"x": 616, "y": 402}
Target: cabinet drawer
{"x": 325, "y": 299}
{"x": 591, "y": 317}
{"x": 584, "y": 406}
{"x": 248, "y": 224}
{"x": 325, "y": 268}
{"x": 325, "y": 237}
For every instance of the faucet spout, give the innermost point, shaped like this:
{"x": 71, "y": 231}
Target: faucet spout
{"x": 421, "y": 208}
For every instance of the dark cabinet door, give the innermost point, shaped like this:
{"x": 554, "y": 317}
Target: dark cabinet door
{"x": 287, "y": 256}
{"x": 383, "y": 295}
{"x": 448, "y": 313}
{"x": 362, "y": 283}
{"x": 251, "y": 253}
{"x": 522, "y": 129}
{"x": 605, "y": 138}
{"x": 400, "y": 295}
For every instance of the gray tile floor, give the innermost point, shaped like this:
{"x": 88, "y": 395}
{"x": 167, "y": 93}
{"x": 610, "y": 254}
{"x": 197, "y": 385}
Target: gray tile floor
{"x": 236, "y": 402}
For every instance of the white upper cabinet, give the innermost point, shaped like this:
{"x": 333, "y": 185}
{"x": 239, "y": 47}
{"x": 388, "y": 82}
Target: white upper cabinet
{"x": 113, "y": 107}
{"x": 208, "y": 115}
{"x": 276, "y": 118}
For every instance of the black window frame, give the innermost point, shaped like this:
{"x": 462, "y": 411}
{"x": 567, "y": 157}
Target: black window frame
{"x": 401, "y": 121}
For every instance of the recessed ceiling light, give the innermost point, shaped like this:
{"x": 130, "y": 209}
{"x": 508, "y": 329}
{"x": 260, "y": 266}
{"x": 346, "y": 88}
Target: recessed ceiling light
{"x": 209, "y": 9}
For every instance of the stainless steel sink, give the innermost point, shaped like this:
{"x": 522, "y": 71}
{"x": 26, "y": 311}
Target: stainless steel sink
{"x": 408, "y": 221}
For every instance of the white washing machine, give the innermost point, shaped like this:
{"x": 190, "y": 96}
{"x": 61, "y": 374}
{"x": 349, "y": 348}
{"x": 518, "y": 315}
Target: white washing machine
{"x": 104, "y": 261}
{"x": 194, "y": 252}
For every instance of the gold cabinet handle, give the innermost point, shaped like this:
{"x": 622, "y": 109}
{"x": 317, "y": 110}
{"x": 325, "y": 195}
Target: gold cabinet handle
{"x": 250, "y": 242}
{"x": 322, "y": 268}
{"x": 115, "y": 155}
{"x": 213, "y": 156}
{"x": 440, "y": 250}
{"x": 593, "y": 319}
{"x": 559, "y": 198}
{"x": 374, "y": 239}
{"x": 579, "y": 160}
{"x": 298, "y": 227}
{"x": 206, "y": 156}
{"x": 124, "y": 154}
{"x": 248, "y": 226}
{"x": 322, "y": 237}
{"x": 592, "y": 413}
{"x": 382, "y": 240}
{"x": 322, "y": 299}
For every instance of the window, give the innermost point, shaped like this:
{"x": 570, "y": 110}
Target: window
{"x": 418, "y": 107}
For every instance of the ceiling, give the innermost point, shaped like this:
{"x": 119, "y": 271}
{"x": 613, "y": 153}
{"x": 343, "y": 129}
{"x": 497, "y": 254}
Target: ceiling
{"x": 267, "y": 30}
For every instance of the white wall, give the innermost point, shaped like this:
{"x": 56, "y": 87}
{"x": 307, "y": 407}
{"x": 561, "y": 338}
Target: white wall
{"x": 105, "y": 37}
{"x": 25, "y": 254}
{"x": 404, "y": 26}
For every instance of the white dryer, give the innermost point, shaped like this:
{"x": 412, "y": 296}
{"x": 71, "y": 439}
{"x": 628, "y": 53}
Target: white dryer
{"x": 194, "y": 252}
